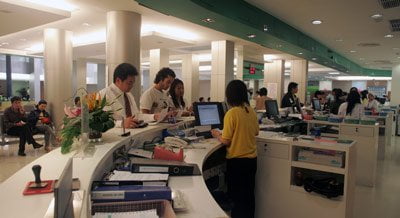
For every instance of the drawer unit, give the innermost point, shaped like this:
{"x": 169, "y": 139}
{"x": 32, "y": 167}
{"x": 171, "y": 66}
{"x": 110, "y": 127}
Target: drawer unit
{"x": 357, "y": 131}
{"x": 275, "y": 150}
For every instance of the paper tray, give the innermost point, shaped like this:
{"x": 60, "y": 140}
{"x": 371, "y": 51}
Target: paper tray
{"x": 163, "y": 207}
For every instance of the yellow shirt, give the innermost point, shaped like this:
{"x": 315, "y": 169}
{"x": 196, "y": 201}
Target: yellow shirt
{"x": 241, "y": 129}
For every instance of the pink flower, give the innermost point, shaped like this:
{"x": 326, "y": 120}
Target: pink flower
{"x": 72, "y": 112}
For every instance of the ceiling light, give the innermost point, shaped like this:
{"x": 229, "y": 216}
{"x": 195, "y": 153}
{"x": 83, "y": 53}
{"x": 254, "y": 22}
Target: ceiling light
{"x": 268, "y": 57}
{"x": 251, "y": 36}
{"x": 361, "y": 78}
{"x": 339, "y": 40}
{"x": 175, "y": 62}
{"x": 59, "y": 4}
{"x": 86, "y": 24}
{"x": 388, "y": 36}
{"x": 4, "y": 43}
{"x": 204, "y": 57}
{"x": 265, "y": 28}
{"x": 314, "y": 59}
{"x": 287, "y": 74}
{"x": 288, "y": 64}
{"x": 334, "y": 73}
{"x": 377, "y": 16}
{"x": 172, "y": 31}
{"x": 205, "y": 68}
{"x": 36, "y": 48}
{"x": 316, "y": 22}
{"x": 208, "y": 20}
{"x": 352, "y": 51}
{"x": 300, "y": 53}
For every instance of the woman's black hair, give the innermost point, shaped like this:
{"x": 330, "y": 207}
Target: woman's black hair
{"x": 173, "y": 94}
{"x": 292, "y": 86}
{"x": 364, "y": 94}
{"x": 236, "y": 93}
{"x": 352, "y": 99}
{"x": 338, "y": 94}
{"x": 354, "y": 89}
{"x": 263, "y": 92}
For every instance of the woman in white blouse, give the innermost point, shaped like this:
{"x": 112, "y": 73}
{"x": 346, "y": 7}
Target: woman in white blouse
{"x": 372, "y": 102}
{"x": 352, "y": 107}
{"x": 176, "y": 100}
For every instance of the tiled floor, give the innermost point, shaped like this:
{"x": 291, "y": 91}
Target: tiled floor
{"x": 382, "y": 201}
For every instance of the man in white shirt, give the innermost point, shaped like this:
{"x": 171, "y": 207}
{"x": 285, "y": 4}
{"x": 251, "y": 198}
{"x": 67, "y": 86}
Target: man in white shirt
{"x": 124, "y": 106}
{"x": 155, "y": 99}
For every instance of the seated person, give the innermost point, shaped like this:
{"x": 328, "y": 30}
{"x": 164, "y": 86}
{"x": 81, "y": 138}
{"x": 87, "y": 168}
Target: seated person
{"x": 124, "y": 107}
{"x": 176, "y": 100}
{"x": 40, "y": 122}
{"x": 320, "y": 95}
{"x": 155, "y": 99}
{"x": 352, "y": 107}
{"x": 372, "y": 103}
{"x": 261, "y": 98}
{"x": 290, "y": 99}
{"x": 15, "y": 125}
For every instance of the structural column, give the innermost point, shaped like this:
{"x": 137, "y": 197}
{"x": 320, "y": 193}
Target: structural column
{"x": 190, "y": 77}
{"x": 159, "y": 58}
{"x": 274, "y": 78}
{"x": 81, "y": 70}
{"x": 395, "y": 89}
{"x": 58, "y": 71}
{"x": 299, "y": 74}
{"x": 123, "y": 45}
{"x": 222, "y": 53}
{"x": 239, "y": 62}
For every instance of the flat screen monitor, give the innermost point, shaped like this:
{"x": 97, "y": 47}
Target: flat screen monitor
{"x": 271, "y": 107}
{"x": 209, "y": 113}
{"x": 316, "y": 104}
{"x": 63, "y": 206}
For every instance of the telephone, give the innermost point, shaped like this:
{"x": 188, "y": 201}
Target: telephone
{"x": 175, "y": 142}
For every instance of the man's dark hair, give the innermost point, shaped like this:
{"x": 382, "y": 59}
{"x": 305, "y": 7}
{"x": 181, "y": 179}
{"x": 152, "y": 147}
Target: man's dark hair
{"x": 124, "y": 70}
{"x": 42, "y": 102}
{"x": 164, "y": 73}
{"x": 318, "y": 93}
{"x": 292, "y": 86}
{"x": 15, "y": 98}
{"x": 236, "y": 93}
{"x": 263, "y": 92}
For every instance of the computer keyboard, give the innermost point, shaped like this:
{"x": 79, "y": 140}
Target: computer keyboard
{"x": 279, "y": 120}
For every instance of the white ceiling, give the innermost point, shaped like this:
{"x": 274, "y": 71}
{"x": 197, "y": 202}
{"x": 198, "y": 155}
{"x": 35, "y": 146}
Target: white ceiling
{"x": 90, "y": 20}
{"x": 346, "y": 20}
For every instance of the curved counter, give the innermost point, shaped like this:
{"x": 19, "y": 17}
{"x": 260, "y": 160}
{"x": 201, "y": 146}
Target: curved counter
{"x": 199, "y": 201}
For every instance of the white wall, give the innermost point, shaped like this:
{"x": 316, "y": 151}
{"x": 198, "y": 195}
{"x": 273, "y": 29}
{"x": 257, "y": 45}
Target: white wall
{"x": 344, "y": 85}
{"x": 361, "y": 85}
{"x": 204, "y": 89}
{"x": 325, "y": 85}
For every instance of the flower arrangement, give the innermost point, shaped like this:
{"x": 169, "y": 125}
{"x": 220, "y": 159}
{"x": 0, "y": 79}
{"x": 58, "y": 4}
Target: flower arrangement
{"x": 99, "y": 120}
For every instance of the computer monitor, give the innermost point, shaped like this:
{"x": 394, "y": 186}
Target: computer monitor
{"x": 209, "y": 113}
{"x": 63, "y": 206}
{"x": 316, "y": 104}
{"x": 271, "y": 107}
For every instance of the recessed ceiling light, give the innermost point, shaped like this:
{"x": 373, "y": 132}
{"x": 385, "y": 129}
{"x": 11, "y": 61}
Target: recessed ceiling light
{"x": 316, "y": 22}
{"x": 339, "y": 40}
{"x": 313, "y": 59}
{"x": 352, "y": 51}
{"x": 251, "y": 36}
{"x": 300, "y": 53}
{"x": 208, "y": 20}
{"x": 265, "y": 28}
{"x": 388, "y": 36}
{"x": 86, "y": 24}
{"x": 376, "y": 16}
{"x": 334, "y": 73}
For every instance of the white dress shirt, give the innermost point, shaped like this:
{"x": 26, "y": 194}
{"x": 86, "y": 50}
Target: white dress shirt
{"x": 113, "y": 93}
{"x": 356, "y": 113}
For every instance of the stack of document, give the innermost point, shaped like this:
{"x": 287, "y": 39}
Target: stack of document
{"x": 158, "y": 179}
{"x": 133, "y": 214}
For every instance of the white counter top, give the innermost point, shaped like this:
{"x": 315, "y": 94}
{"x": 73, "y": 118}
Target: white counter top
{"x": 14, "y": 204}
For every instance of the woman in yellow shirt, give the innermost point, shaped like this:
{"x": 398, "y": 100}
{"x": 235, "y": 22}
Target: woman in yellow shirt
{"x": 239, "y": 136}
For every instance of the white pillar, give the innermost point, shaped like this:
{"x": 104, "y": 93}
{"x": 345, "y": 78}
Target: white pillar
{"x": 222, "y": 53}
{"x": 123, "y": 45}
{"x": 81, "y": 71}
{"x": 58, "y": 71}
{"x": 190, "y": 77}
{"x": 274, "y": 78}
{"x": 299, "y": 74}
{"x": 159, "y": 58}
{"x": 239, "y": 62}
{"x": 395, "y": 92}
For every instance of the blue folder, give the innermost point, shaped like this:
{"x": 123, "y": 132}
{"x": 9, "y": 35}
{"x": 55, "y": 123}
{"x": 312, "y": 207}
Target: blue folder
{"x": 130, "y": 193}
